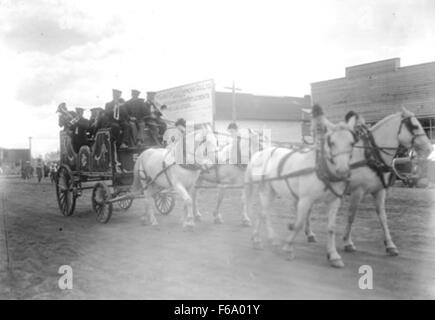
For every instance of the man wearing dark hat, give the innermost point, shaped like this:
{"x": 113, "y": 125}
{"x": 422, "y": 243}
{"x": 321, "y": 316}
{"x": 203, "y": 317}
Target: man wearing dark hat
{"x": 115, "y": 118}
{"x": 137, "y": 111}
{"x": 233, "y": 130}
{"x": 95, "y": 122}
{"x": 79, "y": 129}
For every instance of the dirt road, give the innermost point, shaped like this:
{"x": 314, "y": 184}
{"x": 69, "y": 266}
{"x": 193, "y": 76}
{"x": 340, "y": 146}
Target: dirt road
{"x": 124, "y": 259}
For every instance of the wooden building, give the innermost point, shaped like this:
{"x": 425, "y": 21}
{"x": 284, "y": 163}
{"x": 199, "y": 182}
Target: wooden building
{"x": 378, "y": 89}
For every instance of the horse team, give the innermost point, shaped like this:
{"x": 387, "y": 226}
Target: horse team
{"x": 347, "y": 157}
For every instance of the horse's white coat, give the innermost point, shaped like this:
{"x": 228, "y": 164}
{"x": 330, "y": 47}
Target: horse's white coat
{"x": 150, "y": 164}
{"x": 365, "y": 181}
{"x": 308, "y": 188}
{"x": 229, "y": 174}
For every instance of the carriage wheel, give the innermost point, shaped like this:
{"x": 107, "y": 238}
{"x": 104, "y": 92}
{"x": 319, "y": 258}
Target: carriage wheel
{"x": 65, "y": 191}
{"x": 164, "y": 202}
{"x": 126, "y": 203}
{"x": 100, "y": 194}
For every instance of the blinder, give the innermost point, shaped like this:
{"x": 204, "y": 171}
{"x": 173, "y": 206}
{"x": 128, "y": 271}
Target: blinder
{"x": 411, "y": 128}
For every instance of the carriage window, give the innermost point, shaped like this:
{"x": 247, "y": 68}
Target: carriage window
{"x": 428, "y": 125}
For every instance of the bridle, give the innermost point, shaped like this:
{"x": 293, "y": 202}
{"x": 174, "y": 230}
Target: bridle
{"x": 372, "y": 152}
{"x": 406, "y": 121}
{"x": 331, "y": 157}
{"x": 411, "y": 127}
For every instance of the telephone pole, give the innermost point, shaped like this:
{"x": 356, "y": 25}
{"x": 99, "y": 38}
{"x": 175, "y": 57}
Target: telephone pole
{"x": 233, "y": 109}
{"x": 30, "y": 148}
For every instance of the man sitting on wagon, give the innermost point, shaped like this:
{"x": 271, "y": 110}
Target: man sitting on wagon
{"x": 137, "y": 111}
{"x": 95, "y": 122}
{"x": 116, "y": 118}
{"x": 79, "y": 129}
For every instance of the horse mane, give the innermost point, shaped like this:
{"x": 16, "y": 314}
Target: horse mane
{"x": 384, "y": 120}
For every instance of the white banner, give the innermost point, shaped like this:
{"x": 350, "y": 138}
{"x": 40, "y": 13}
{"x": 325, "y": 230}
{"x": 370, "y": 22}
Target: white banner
{"x": 192, "y": 102}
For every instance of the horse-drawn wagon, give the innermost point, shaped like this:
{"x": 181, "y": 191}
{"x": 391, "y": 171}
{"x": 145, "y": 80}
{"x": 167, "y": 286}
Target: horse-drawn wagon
{"x": 96, "y": 168}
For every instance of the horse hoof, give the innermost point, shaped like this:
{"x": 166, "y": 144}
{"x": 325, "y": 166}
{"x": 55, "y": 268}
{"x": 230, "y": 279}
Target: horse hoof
{"x": 290, "y": 255}
{"x": 312, "y": 239}
{"x": 349, "y": 248}
{"x": 189, "y": 225}
{"x": 392, "y": 251}
{"x": 218, "y": 220}
{"x": 246, "y": 223}
{"x": 336, "y": 263}
{"x": 291, "y": 226}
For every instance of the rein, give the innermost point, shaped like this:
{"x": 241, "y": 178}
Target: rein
{"x": 321, "y": 169}
{"x": 373, "y": 158}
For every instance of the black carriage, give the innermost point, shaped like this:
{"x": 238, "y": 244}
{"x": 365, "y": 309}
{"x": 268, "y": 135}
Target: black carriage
{"x": 94, "y": 168}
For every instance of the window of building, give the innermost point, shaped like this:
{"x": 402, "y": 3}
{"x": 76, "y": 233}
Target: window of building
{"x": 428, "y": 125}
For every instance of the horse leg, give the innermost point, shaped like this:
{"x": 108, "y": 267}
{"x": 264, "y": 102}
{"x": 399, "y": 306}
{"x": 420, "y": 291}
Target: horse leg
{"x": 266, "y": 199}
{"x": 333, "y": 256}
{"x": 355, "y": 199}
{"x": 195, "y": 209}
{"x": 148, "y": 217}
{"x": 302, "y": 208}
{"x": 189, "y": 221}
{"x": 246, "y": 222}
{"x": 380, "y": 210}
{"x": 311, "y": 237}
{"x": 260, "y": 217}
{"x": 218, "y": 217}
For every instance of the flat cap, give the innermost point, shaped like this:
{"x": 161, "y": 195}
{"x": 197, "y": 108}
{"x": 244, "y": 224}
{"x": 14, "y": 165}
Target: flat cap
{"x": 232, "y": 125}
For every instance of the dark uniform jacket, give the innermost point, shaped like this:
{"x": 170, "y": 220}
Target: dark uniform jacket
{"x": 138, "y": 108}
{"x": 79, "y": 133}
{"x": 108, "y": 112}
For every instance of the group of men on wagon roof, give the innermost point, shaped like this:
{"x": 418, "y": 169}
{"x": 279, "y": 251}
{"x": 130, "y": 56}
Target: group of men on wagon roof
{"x": 127, "y": 121}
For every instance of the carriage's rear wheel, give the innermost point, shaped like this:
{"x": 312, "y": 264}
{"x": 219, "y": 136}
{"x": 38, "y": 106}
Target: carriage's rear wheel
{"x": 164, "y": 202}
{"x": 100, "y": 195}
{"x": 66, "y": 197}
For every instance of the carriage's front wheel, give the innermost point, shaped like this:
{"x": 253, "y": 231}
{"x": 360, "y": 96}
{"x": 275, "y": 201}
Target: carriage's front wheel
{"x": 66, "y": 198}
{"x": 100, "y": 195}
{"x": 164, "y": 202}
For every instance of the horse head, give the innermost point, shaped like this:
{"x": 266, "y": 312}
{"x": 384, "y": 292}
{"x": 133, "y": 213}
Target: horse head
{"x": 412, "y": 135}
{"x": 338, "y": 141}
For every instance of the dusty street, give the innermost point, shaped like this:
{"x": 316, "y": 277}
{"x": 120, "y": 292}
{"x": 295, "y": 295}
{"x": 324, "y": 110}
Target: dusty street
{"x": 124, "y": 259}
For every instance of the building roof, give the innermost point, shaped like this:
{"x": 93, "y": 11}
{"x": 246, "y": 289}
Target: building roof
{"x": 256, "y": 107}
{"x": 14, "y": 155}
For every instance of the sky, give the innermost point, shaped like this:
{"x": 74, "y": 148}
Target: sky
{"x": 54, "y": 51}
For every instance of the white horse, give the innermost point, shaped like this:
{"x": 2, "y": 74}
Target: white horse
{"x": 401, "y": 128}
{"x": 371, "y": 168}
{"x": 229, "y": 169}
{"x": 307, "y": 176}
{"x": 159, "y": 168}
